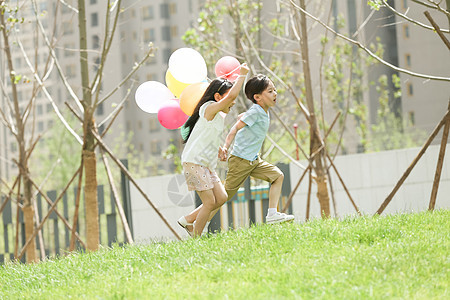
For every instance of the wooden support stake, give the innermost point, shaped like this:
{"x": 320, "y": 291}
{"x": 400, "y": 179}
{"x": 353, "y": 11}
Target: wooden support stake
{"x": 77, "y": 207}
{"x": 409, "y": 169}
{"x": 126, "y": 227}
{"x": 440, "y": 162}
{"x": 308, "y": 200}
{"x": 438, "y": 30}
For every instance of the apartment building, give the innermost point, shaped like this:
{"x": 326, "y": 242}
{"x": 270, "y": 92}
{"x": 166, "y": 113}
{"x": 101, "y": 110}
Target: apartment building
{"x": 160, "y": 22}
{"x": 163, "y": 22}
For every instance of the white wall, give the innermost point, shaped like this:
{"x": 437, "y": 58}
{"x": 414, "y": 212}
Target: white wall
{"x": 369, "y": 177}
{"x": 166, "y": 193}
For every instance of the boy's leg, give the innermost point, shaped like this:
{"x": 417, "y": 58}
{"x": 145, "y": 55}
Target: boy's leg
{"x": 273, "y": 175}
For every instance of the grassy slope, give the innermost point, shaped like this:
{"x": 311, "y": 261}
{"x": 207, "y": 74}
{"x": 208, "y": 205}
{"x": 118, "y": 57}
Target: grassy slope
{"x": 402, "y": 256}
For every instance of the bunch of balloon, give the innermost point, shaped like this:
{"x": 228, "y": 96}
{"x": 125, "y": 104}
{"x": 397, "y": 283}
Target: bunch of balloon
{"x": 186, "y": 80}
{"x": 186, "y": 68}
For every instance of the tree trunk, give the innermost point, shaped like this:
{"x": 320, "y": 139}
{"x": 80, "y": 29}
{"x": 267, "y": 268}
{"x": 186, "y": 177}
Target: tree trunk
{"x": 89, "y": 159}
{"x": 90, "y": 190}
{"x": 315, "y": 138}
{"x": 28, "y": 213}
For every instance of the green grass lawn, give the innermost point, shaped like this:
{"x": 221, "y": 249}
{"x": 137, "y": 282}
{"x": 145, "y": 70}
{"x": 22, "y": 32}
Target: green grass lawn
{"x": 393, "y": 257}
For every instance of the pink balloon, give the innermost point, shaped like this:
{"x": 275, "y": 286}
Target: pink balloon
{"x": 228, "y": 67}
{"x": 170, "y": 114}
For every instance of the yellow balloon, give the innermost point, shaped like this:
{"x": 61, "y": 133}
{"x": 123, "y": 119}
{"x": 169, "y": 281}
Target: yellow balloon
{"x": 191, "y": 95}
{"x": 175, "y": 86}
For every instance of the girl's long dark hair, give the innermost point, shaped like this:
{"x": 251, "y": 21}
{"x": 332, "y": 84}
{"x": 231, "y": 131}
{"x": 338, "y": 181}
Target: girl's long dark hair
{"x": 218, "y": 85}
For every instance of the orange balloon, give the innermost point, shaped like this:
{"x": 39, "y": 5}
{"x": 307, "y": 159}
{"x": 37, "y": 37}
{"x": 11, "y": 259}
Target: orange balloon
{"x": 191, "y": 95}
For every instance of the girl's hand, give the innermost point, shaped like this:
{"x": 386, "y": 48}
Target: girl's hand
{"x": 244, "y": 69}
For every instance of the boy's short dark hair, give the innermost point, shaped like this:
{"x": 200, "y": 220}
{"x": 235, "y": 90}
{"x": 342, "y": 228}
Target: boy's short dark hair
{"x": 256, "y": 85}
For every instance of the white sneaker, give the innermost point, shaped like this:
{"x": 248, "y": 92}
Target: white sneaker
{"x": 279, "y": 218}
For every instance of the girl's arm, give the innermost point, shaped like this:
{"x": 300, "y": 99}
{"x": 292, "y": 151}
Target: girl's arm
{"x": 215, "y": 107}
{"x": 230, "y": 137}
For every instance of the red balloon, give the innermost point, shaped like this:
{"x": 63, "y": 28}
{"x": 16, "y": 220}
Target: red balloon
{"x": 228, "y": 67}
{"x": 170, "y": 114}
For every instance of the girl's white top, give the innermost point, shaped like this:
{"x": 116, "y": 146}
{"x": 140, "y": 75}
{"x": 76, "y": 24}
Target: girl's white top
{"x": 202, "y": 147}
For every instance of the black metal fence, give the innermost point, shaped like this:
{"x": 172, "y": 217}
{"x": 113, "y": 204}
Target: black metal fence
{"x": 54, "y": 238}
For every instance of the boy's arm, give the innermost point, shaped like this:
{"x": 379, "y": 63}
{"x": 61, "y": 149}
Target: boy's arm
{"x": 230, "y": 137}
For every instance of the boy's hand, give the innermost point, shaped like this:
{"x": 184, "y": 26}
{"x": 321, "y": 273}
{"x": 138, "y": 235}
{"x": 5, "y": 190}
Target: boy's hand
{"x": 223, "y": 153}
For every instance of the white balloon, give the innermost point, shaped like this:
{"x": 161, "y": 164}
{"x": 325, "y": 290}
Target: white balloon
{"x": 150, "y": 95}
{"x": 187, "y": 66}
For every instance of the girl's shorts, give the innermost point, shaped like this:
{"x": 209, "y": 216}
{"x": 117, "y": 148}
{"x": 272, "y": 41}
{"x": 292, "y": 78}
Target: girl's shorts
{"x": 198, "y": 177}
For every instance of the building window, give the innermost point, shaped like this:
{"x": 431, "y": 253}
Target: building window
{"x": 155, "y": 147}
{"x": 100, "y": 109}
{"x": 173, "y": 8}
{"x": 40, "y": 110}
{"x": 139, "y": 124}
{"x": 166, "y": 54}
{"x": 49, "y": 107}
{"x": 40, "y": 126}
{"x": 409, "y": 88}
{"x": 149, "y": 35}
{"x": 17, "y": 62}
{"x": 153, "y": 125}
{"x": 70, "y": 70}
{"x": 94, "y": 19}
{"x": 165, "y": 32}
{"x": 412, "y": 118}
{"x": 405, "y": 4}
{"x": 174, "y": 31}
{"x": 408, "y": 60}
{"x": 93, "y": 1}
{"x": 406, "y": 31}
{"x": 151, "y": 77}
{"x": 164, "y": 10}
{"x": 150, "y": 61}
{"x": 95, "y": 42}
{"x": 67, "y": 27}
{"x": 147, "y": 13}
{"x": 96, "y": 64}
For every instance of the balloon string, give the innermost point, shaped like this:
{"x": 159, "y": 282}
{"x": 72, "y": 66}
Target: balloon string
{"x": 229, "y": 73}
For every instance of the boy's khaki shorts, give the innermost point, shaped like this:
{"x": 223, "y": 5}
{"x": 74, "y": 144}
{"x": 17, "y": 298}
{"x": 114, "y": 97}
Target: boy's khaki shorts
{"x": 239, "y": 169}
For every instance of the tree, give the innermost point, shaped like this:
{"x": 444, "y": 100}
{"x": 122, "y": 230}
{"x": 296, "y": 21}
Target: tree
{"x": 17, "y": 116}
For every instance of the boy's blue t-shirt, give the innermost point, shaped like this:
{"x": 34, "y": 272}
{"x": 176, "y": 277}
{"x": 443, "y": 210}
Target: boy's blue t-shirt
{"x": 249, "y": 139}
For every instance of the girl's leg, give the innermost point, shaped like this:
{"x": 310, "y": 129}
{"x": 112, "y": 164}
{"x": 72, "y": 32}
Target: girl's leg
{"x": 211, "y": 200}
